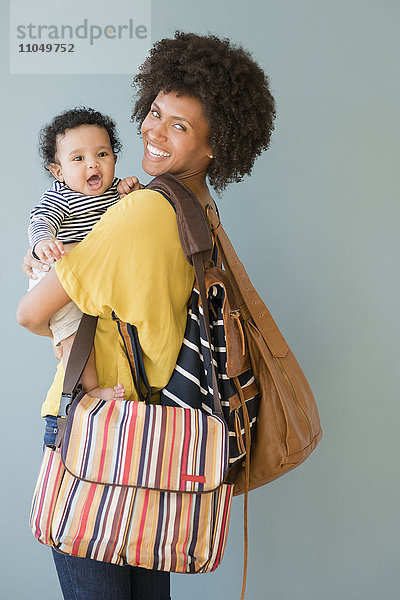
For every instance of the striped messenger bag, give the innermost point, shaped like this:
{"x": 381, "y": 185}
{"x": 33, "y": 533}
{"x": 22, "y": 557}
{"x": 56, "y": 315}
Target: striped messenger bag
{"x": 133, "y": 482}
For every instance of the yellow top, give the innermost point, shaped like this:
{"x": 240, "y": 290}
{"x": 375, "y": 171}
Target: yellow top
{"x": 131, "y": 262}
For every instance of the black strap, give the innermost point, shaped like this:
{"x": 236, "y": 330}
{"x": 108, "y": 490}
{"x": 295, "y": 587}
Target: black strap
{"x": 199, "y": 272}
{"x": 130, "y": 337}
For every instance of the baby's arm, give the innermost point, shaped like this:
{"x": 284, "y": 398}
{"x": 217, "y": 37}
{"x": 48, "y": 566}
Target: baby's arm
{"x": 49, "y": 249}
{"x": 128, "y": 185}
{"x": 44, "y": 223}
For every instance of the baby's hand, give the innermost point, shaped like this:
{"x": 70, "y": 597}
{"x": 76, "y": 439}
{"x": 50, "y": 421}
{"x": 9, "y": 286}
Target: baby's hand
{"x": 58, "y": 350}
{"x": 128, "y": 185}
{"x": 50, "y": 249}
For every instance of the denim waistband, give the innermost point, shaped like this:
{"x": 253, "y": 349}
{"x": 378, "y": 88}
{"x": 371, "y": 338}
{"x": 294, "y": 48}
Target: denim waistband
{"x": 50, "y": 430}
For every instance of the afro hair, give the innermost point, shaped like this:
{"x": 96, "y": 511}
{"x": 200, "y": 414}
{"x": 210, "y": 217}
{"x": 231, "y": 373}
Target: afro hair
{"x": 233, "y": 89}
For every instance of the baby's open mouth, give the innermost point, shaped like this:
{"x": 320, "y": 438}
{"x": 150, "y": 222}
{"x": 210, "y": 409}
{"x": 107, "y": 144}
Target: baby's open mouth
{"x": 94, "y": 182}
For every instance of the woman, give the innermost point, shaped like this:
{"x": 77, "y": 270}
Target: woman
{"x": 205, "y": 111}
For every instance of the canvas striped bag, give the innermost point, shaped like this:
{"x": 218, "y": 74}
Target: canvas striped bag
{"x": 135, "y": 483}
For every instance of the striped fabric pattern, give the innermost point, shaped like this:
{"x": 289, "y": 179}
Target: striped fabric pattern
{"x": 45, "y": 495}
{"x": 68, "y": 215}
{"x": 91, "y": 520}
{"x": 191, "y": 382}
{"x": 145, "y": 445}
{"x": 179, "y": 531}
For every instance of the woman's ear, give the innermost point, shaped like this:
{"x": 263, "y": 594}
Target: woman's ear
{"x": 56, "y": 170}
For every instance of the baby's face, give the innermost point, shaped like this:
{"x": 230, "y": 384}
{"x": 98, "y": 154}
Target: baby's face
{"x": 85, "y": 160}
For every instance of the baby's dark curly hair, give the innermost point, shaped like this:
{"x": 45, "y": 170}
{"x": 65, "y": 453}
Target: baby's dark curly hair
{"x": 233, "y": 89}
{"x": 70, "y": 119}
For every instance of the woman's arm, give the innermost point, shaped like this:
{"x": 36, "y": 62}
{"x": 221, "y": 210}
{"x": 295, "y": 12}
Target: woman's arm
{"x": 40, "y": 303}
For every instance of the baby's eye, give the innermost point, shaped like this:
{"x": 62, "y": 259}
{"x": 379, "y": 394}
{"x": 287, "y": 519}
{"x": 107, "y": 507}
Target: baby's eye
{"x": 101, "y": 154}
{"x": 77, "y": 158}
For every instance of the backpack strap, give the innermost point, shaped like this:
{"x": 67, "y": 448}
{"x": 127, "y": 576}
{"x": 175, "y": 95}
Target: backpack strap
{"x": 197, "y": 244}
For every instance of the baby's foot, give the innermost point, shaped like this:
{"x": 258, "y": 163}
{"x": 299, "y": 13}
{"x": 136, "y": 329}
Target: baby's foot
{"x": 108, "y": 394}
{"x": 119, "y": 391}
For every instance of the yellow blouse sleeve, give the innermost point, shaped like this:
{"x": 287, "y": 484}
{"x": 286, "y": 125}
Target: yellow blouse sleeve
{"x": 132, "y": 262}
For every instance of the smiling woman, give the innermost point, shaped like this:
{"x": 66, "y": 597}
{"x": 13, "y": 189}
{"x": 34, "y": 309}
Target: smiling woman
{"x": 205, "y": 112}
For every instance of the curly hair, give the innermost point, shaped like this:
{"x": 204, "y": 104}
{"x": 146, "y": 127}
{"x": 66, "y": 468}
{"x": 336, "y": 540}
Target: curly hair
{"x": 233, "y": 89}
{"x": 70, "y": 119}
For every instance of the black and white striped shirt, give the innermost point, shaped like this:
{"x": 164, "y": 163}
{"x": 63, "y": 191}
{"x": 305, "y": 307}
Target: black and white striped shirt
{"x": 67, "y": 215}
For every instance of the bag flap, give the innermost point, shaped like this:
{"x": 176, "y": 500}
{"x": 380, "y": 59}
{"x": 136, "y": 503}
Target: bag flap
{"x": 145, "y": 445}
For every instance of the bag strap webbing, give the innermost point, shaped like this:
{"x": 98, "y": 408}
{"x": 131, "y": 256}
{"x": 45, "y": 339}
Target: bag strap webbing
{"x": 133, "y": 351}
{"x": 79, "y": 355}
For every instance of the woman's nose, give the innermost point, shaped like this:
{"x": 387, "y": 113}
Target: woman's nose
{"x": 158, "y": 132}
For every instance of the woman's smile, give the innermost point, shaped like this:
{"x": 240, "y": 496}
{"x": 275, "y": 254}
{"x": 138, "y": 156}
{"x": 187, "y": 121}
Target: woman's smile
{"x": 156, "y": 152}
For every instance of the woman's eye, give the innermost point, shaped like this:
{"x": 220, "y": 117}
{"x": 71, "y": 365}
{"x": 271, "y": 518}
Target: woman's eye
{"x": 155, "y": 113}
{"x": 179, "y": 127}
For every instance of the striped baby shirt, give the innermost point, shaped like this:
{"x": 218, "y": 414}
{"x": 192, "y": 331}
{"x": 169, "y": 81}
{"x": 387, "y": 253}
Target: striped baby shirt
{"x": 67, "y": 215}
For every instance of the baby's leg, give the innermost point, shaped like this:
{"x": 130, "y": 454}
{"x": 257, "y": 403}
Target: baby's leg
{"x": 89, "y": 376}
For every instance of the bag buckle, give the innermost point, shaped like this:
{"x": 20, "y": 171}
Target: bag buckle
{"x": 65, "y": 403}
{"x": 212, "y": 218}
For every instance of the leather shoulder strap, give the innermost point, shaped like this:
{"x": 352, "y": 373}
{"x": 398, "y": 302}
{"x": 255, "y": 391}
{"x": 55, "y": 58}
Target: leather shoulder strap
{"x": 78, "y": 358}
{"x": 193, "y": 227}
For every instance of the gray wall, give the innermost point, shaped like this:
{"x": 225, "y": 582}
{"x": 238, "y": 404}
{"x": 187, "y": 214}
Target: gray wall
{"x": 317, "y": 227}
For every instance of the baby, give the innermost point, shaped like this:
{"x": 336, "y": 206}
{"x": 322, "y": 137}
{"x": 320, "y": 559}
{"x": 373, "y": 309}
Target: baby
{"x": 79, "y": 147}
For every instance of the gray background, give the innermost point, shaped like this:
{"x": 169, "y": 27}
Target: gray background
{"x": 317, "y": 227}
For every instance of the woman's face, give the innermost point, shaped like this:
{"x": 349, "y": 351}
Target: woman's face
{"x": 175, "y": 136}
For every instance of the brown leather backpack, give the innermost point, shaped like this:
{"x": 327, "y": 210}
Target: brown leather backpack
{"x": 287, "y": 426}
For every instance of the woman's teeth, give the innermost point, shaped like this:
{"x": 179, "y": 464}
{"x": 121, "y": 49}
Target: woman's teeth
{"x": 156, "y": 152}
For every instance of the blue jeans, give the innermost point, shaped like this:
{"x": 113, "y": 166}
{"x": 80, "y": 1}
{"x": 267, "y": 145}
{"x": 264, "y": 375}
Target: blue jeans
{"x": 87, "y": 579}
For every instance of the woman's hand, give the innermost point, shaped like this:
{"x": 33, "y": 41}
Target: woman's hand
{"x": 128, "y": 185}
{"x": 29, "y": 263}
